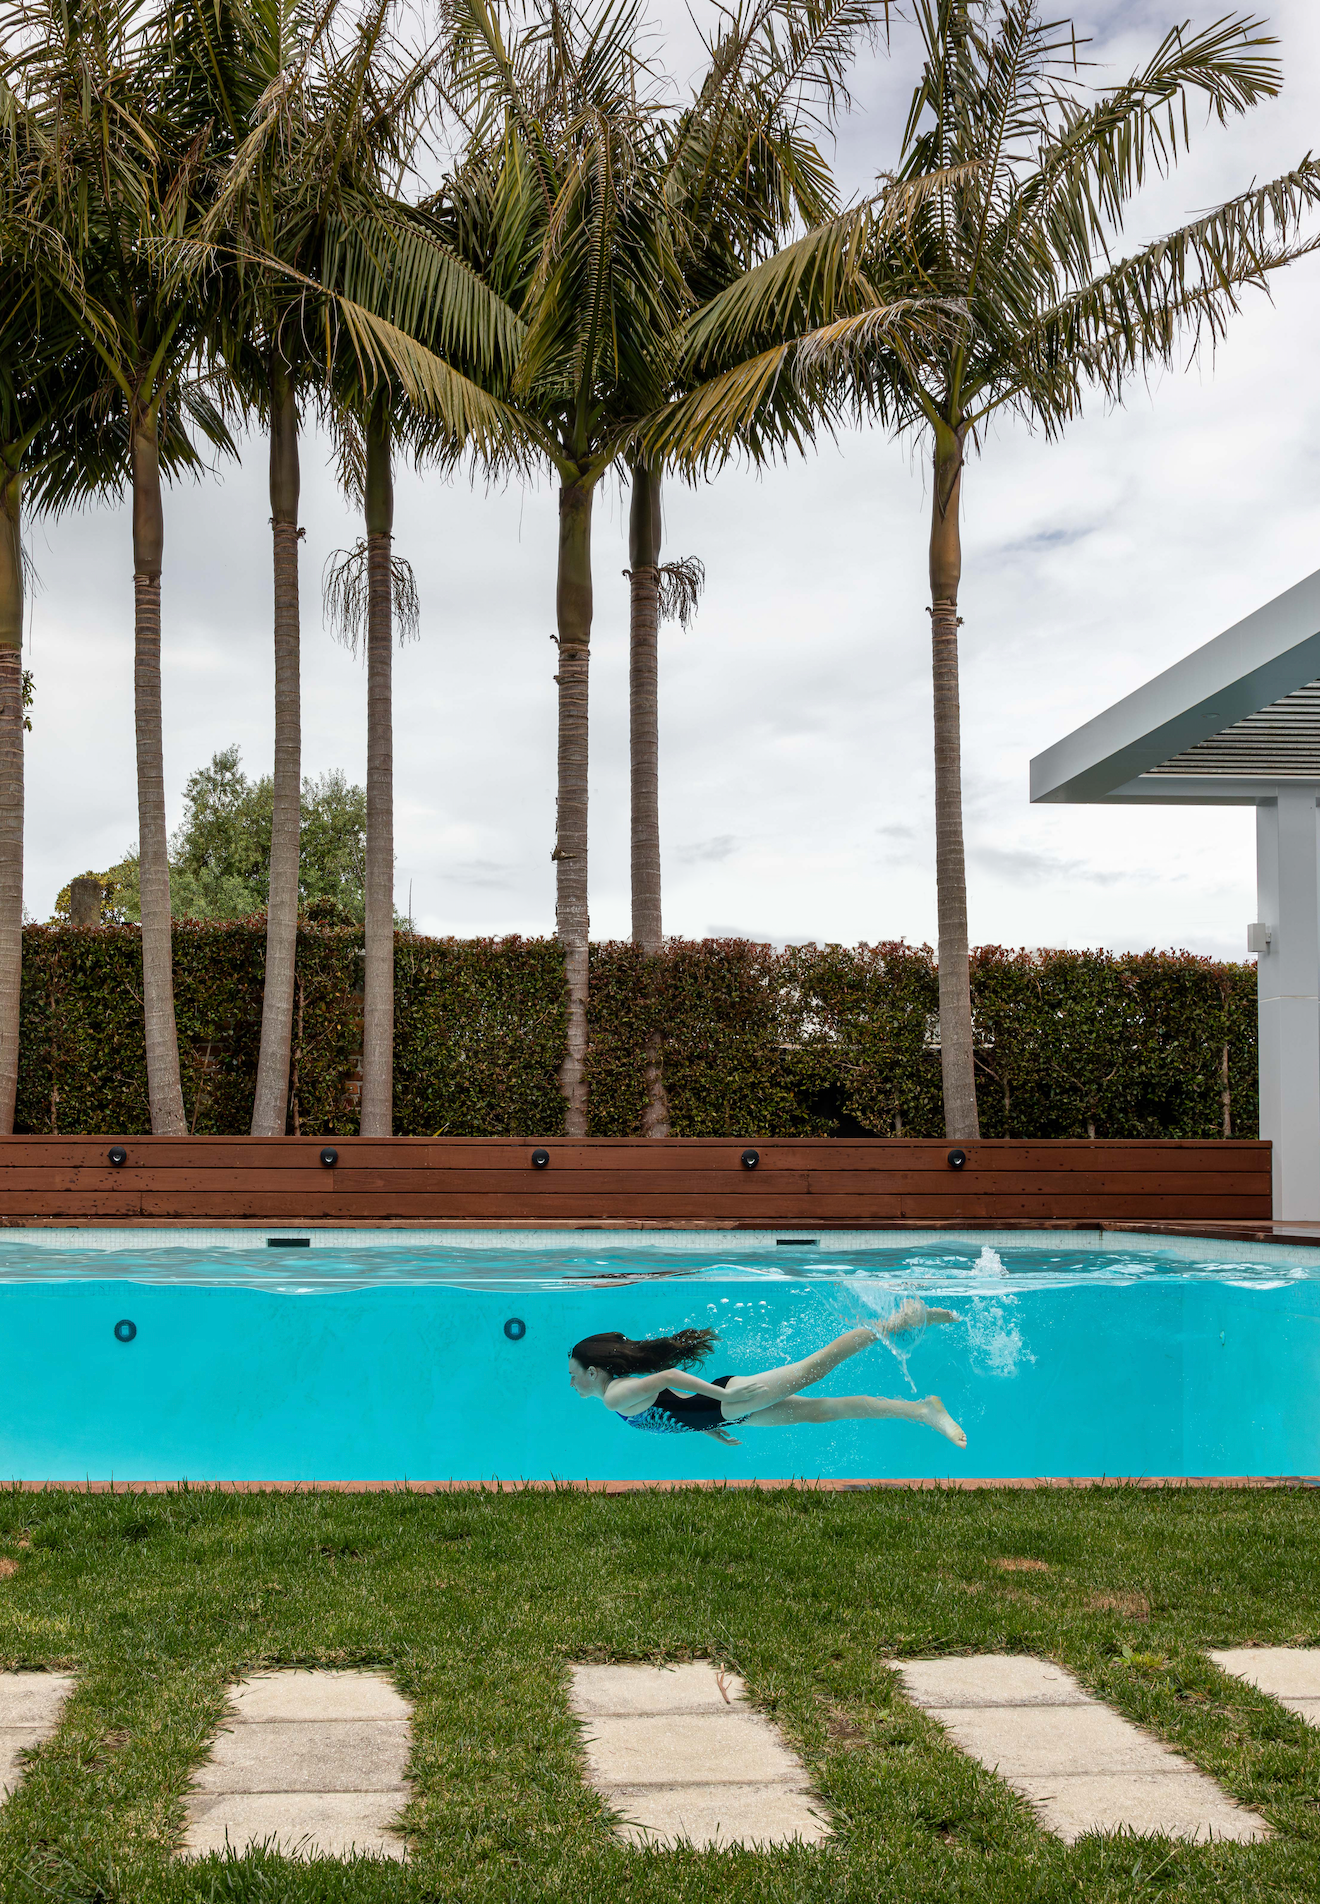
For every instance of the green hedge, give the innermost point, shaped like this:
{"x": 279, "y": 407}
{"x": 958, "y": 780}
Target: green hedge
{"x": 825, "y": 1041}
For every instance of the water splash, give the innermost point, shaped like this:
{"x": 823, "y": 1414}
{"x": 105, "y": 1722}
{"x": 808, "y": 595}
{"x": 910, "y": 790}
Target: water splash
{"x": 995, "y": 1339}
{"x": 990, "y": 1262}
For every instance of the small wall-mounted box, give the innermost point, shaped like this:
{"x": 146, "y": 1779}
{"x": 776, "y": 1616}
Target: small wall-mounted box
{"x": 1258, "y": 938}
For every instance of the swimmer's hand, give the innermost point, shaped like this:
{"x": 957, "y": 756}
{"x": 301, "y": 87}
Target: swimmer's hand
{"x": 718, "y": 1434}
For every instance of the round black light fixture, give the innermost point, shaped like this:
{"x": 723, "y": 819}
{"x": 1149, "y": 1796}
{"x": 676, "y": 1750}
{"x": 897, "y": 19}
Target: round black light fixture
{"x": 515, "y": 1328}
{"x": 957, "y": 1158}
{"x": 125, "y": 1330}
{"x": 750, "y": 1159}
{"x": 329, "y": 1157}
{"x": 118, "y": 1155}
{"x": 540, "y": 1158}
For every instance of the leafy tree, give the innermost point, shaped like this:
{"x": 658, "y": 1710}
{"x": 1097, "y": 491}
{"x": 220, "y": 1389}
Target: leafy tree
{"x": 1001, "y": 219}
{"x": 220, "y": 855}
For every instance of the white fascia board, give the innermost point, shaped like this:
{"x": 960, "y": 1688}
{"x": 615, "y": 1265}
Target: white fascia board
{"x": 1247, "y": 668}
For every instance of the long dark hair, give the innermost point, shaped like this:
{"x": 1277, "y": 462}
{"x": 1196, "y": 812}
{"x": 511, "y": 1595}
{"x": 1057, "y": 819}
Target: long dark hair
{"x": 620, "y": 1355}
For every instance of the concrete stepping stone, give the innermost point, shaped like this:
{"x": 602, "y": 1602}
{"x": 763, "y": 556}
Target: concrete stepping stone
{"x": 30, "y": 1708}
{"x": 1082, "y": 1767}
{"x": 679, "y": 1754}
{"x": 1290, "y": 1674}
{"x": 309, "y": 1763}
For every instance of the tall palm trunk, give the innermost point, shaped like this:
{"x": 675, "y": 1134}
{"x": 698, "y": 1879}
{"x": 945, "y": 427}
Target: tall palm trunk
{"x": 573, "y": 615}
{"x": 956, "y": 1057}
{"x": 643, "y": 704}
{"x": 11, "y": 788}
{"x": 378, "y": 1004}
{"x": 271, "y": 1105}
{"x": 164, "y": 1090}
{"x": 644, "y": 531}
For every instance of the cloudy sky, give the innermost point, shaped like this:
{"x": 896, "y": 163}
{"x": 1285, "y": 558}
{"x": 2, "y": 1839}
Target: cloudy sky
{"x": 796, "y": 776}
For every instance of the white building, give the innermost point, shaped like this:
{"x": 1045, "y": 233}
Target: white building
{"x": 1237, "y": 723}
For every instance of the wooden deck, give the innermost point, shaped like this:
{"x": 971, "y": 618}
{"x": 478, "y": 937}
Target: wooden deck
{"x": 803, "y": 1183}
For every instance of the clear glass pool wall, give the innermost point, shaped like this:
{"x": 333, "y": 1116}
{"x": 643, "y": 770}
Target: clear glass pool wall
{"x": 364, "y": 1355}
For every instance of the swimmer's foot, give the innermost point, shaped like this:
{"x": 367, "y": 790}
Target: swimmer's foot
{"x": 935, "y": 1415}
{"x": 912, "y": 1313}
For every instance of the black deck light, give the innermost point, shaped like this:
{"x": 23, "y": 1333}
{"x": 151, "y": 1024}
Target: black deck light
{"x": 540, "y": 1158}
{"x": 125, "y": 1330}
{"x": 957, "y": 1158}
{"x": 329, "y": 1157}
{"x": 750, "y": 1159}
{"x": 118, "y": 1156}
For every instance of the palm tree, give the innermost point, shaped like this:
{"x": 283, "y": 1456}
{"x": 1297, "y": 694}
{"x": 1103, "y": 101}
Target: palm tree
{"x": 421, "y": 345}
{"x": 120, "y": 178}
{"x": 560, "y": 204}
{"x": 1000, "y": 217}
{"x": 253, "y": 67}
{"x": 595, "y": 211}
{"x": 304, "y": 150}
{"x": 742, "y": 167}
{"x": 20, "y": 397}
{"x": 343, "y": 296}
{"x": 42, "y": 383}
{"x": 368, "y": 591}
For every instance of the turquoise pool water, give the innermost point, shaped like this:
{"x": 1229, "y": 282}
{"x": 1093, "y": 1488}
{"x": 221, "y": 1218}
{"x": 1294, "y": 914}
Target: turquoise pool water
{"x": 395, "y": 1363}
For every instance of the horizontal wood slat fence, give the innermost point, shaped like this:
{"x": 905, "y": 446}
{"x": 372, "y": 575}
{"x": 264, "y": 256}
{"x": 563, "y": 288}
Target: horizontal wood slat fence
{"x": 817, "y": 1183}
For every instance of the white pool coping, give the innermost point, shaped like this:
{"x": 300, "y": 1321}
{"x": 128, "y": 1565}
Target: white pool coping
{"x": 593, "y": 1238}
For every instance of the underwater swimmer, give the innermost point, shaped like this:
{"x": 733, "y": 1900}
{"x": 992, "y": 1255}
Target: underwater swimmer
{"x": 647, "y": 1384}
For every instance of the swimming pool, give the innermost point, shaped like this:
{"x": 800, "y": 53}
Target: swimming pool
{"x": 437, "y": 1360}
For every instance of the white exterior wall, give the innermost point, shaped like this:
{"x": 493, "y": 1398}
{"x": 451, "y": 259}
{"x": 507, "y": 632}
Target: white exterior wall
{"x": 1288, "y": 982}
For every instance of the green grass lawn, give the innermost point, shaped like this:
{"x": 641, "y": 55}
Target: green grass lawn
{"x": 475, "y": 1603}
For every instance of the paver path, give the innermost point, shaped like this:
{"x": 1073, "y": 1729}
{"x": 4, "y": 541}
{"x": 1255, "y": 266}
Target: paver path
{"x": 1082, "y": 1766}
{"x": 30, "y": 1708}
{"x": 310, "y": 1762}
{"x": 682, "y": 1757}
{"x": 1290, "y": 1674}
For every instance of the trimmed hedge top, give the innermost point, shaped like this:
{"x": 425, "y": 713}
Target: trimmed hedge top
{"x": 811, "y": 1041}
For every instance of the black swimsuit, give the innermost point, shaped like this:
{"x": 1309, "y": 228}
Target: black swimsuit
{"x": 673, "y": 1414}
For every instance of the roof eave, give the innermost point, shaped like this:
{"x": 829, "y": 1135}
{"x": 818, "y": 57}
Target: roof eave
{"x": 1250, "y": 666}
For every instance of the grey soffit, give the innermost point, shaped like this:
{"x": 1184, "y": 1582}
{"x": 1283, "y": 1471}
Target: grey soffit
{"x": 1281, "y": 742}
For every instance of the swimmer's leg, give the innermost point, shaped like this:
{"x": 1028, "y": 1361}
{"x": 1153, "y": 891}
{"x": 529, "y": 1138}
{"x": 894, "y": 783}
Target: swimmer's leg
{"x": 762, "y": 1391}
{"x": 773, "y": 1385}
{"x": 796, "y": 1410}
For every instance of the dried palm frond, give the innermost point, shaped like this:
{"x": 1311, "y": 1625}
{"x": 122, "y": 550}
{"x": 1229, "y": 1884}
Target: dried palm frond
{"x": 346, "y": 597}
{"x": 681, "y": 583}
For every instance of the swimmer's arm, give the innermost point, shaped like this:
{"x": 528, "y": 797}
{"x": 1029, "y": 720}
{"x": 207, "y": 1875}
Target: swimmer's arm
{"x": 632, "y": 1393}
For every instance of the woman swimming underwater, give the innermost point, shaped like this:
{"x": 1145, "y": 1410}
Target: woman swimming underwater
{"x": 646, "y": 1384}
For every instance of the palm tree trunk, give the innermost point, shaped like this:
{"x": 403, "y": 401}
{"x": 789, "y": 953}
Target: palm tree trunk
{"x": 643, "y": 705}
{"x": 271, "y": 1105}
{"x": 11, "y": 789}
{"x": 378, "y": 1003}
{"x": 573, "y": 614}
{"x": 956, "y": 1057}
{"x": 644, "y": 529}
{"x": 164, "y": 1091}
